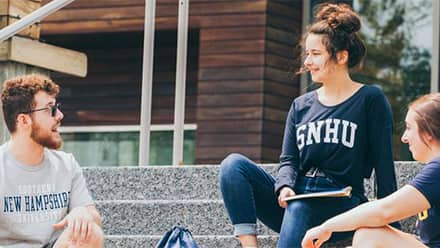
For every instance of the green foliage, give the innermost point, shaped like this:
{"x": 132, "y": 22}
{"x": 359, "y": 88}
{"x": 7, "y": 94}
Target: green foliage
{"x": 394, "y": 62}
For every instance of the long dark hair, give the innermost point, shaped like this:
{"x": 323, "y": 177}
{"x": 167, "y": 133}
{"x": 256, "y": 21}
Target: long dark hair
{"x": 338, "y": 24}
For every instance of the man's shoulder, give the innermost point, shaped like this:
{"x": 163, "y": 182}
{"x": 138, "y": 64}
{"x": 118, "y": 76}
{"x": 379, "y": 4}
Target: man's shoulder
{"x": 3, "y": 149}
{"x": 60, "y": 159}
{"x": 58, "y": 153}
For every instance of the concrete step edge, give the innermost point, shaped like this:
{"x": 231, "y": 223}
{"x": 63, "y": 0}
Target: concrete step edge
{"x": 195, "y": 236}
{"x": 158, "y": 201}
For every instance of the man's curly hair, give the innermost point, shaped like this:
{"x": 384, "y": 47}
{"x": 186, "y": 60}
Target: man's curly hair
{"x": 18, "y": 95}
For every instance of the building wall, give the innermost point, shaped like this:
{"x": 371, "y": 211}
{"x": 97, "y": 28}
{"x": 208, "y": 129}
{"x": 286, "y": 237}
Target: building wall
{"x": 243, "y": 81}
{"x": 283, "y": 33}
{"x": 84, "y": 16}
{"x": 111, "y": 93}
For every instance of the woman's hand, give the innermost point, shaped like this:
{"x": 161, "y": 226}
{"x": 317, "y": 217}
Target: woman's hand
{"x": 315, "y": 237}
{"x": 285, "y": 192}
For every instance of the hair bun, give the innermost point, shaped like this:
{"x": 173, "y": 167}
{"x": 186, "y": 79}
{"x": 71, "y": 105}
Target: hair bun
{"x": 338, "y": 16}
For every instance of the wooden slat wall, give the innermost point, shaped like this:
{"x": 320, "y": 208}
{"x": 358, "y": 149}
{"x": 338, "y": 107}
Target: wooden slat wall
{"x": 111, "y": 94}
{"x": 231, "y": 86}
{"x": 245, "y": 91}
{"x": 87, "y": 16}
{"x": 241, "y": 86}
{"x": 283, "y": 34}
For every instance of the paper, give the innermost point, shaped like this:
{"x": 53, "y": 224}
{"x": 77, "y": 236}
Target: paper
{"x": 345, "y": 192}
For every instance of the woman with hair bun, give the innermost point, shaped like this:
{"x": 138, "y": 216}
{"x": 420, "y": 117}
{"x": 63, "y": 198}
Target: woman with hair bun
{"x": 370, "y": 220}
{"x": 334, "y": 137}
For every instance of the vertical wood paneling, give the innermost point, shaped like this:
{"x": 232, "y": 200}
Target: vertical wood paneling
{"x": 231, "y": 75}
{"x": 240, "y": 75}
{"x": 281, "y": 85}
{"x": 86, "y": 16}
{"x": 111, "y": 93}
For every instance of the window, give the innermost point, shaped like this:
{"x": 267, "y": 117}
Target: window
{"x": 119, "y": 145}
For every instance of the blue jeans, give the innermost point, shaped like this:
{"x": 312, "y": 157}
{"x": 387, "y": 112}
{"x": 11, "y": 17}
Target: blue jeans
{"x": 248, "y": 193}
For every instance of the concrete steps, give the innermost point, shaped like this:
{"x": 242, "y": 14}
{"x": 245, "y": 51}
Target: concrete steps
{"x": 114, "y": 241}
{"x": 139, "y": 204}
{"x": 264, "y": 241}
{"x": 201, "y": 217}
{"x": 158, "y": 182}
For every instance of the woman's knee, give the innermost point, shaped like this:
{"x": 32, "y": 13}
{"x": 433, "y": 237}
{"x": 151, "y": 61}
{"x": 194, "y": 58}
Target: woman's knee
{"x": 367, "y": 237}
{"x": 298, "y": 217}
{"x": 299, "y": 208}
{"x": 231, "y": 165}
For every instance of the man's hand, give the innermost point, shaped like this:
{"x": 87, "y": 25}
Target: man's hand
{"x": 285, "y": 192}
{"x": 79, "y": 224}
{"x": 315, "y": 237}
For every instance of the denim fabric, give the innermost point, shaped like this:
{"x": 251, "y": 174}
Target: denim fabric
{"x": 248, "y": 193}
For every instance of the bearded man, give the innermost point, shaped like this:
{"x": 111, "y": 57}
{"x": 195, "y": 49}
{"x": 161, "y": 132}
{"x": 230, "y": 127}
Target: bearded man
{"x": 44, "y": 200}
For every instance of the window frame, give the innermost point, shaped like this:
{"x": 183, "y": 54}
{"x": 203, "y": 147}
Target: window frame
{"x": 120, "y": 128}
{"x": 435, "y": 46}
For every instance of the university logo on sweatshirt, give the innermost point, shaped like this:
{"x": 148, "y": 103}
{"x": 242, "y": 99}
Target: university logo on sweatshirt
{"x": 334, "y": 131}
{"x": 35, "y": 203}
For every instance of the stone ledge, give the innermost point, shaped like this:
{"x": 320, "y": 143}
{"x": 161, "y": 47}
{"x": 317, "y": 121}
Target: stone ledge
{"x": 183, "y": 182}
{"x": 217, "y": 241}
{"x": 155, "y": 217}
{"x": 133, "y": 200}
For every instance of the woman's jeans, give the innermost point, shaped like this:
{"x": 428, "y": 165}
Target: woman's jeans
{"x": 248, "y": 194}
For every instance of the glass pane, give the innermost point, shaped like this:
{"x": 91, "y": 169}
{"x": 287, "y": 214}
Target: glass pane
{"x": 398, "y": 36}
{"x": 121, "y": 148}
{"x": 161, "y": 147}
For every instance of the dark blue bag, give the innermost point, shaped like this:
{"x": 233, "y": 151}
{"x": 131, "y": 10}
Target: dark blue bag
{"x": 177, "y": 237}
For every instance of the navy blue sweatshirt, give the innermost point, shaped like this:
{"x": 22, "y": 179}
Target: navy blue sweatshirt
{"x": 427, "y": 182}
{"x": 346, "y": 141}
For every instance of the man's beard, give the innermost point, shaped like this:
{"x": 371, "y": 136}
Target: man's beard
{"x": 40, "y": 137}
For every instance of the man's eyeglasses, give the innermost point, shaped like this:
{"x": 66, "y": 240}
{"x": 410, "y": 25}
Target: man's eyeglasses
{"x": 53, "y": 109}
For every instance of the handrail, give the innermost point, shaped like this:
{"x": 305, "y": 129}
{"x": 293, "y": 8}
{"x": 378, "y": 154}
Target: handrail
{"x": 147, "y": 83}
{"x": 179, "y": 100}
{"x": 32, "y": 18}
